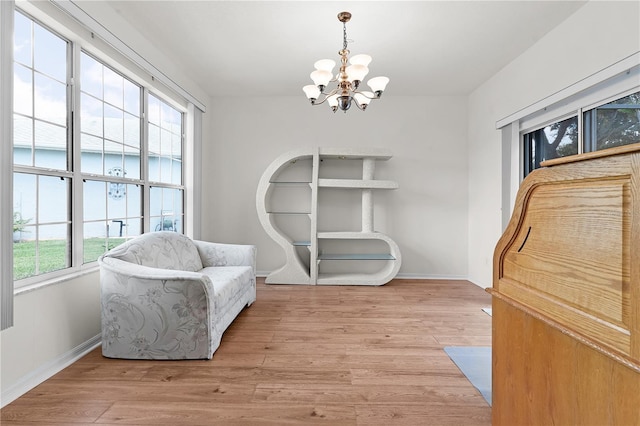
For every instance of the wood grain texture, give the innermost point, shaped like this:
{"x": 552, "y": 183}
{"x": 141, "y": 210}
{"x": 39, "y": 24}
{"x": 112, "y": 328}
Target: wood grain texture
{"x": 569, "y": 249}
{"x": 298, "y": 355}
{"x": 566, "y": 307}
{"x": 544, "y": 376}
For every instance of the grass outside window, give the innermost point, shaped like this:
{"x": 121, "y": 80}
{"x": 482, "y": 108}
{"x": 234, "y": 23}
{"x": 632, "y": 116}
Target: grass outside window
{"x": 31, "y": 259}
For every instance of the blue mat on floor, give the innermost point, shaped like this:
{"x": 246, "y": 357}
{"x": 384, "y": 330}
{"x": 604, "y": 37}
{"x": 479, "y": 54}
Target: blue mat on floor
{"x": 475, "y": 363}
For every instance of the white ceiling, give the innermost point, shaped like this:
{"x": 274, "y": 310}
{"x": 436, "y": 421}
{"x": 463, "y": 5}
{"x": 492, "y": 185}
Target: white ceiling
{"x": 266, "y": 48}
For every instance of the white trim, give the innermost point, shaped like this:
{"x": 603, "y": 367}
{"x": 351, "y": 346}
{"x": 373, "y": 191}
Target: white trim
{"x": 619, "y": 68}
{"x": 408, "y": 276}
{"x": 192, "y": 168}
{"x": 47, "y": 370}
{"x": 111, "y": 39}
{"x": 6, "y": 164}
{"x": 37, "y": 282}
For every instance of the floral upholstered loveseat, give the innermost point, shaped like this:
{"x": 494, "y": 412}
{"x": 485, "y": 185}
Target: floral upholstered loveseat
{"x": 165, "y": 296}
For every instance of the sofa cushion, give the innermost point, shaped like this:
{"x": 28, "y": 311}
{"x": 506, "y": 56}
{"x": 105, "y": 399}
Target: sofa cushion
{"x": 165, "y": 250}
{"x": 228, "y": 282}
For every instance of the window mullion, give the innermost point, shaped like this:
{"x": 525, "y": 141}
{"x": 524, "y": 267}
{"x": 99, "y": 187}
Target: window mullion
{"x": 77, "y": 215}
{"x": 144, "y": 158}
{"x": 581, "y": 147}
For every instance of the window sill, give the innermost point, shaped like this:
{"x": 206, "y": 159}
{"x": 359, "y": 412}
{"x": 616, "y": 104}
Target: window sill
{"x": 56, "y": 280}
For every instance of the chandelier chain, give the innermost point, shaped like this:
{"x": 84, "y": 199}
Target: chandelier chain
{"x": 344, "y": 35}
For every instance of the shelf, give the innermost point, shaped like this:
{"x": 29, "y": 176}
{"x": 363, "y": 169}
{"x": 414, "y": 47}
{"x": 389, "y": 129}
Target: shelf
{"x": 292, "y": 213}
{"x": 350, "y": 279}
{"x": 350, "y": 235}
{"x": 354, "y": 153}
{"x": 357, "y": 184}
{"x": 291, "y": 189}
{"x": 356, "y": 256}
{"x": 289, "y": 183}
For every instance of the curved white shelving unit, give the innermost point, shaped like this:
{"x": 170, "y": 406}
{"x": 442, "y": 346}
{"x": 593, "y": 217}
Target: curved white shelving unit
{"x": 305, "y": 252}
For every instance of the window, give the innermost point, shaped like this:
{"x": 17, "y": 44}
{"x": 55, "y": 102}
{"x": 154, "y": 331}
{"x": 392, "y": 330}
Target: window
{"x": 553, "y": 141}
{"x": 613, "y": 124}
{"x": 609, "y": 125}
{"x": 165, "y": 166}
{"x": 42, "y": 177}
{"x": 93, "y": 179}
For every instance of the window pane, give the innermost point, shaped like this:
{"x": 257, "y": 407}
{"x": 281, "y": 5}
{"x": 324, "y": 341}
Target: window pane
{"x": 105, "y": 228}
{"x": 556, "y": 140}
{"x": 176, "y": 171}
{"x": 154, "y": 139}
{"x": 154, "y": 168}
{"x": 22, "y": 90}
{"x": 109, "y": 120}
{"x": 91, "y": 76}
{"x": 166, "y": 209}
{"x": 95, "y": 240}
{"x": 165, "y": 141}
{"x": 113, "y": 88}
{"x": 94, "y": 200}
{"x": 132, "y": 130}
{"x": 22, "y": 140}
{"x": 50, "y": 146}
{"x": 24, "y": 255}
{"x": 113, "y": 156}
{"x": 52, "y": 199}
{"x": 91, "y": 147}
{"x": 113, "y": 124}
{"x": 117, "y": 200}
{"x": 49, "y": 53}
{"x": 50, "y": 100}
{"x": 176, "y": 147}
{"x": 131, "y": 98}
{"x": 53, "y": 248}
{"x": 165, "y": 169}
{"x": 22, "y": 39}
{"x": 154, "y": 110}
{"x": 91, "y": 115}
{"x": 131, "y": 162}
{"x": 40, "y": 245}
{"x": 24, "y": 199}
{"x": 618, "y": 122}
{"x": 134, "y": 201}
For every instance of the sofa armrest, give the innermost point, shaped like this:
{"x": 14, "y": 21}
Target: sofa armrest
{"x": 151, "y": 313}
{"x": 220, "y": 254}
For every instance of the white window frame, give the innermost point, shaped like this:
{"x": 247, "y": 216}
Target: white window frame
{"x": 77, "y": 177}
{"x": 6, "y": 164}
{"x": 613, "y": 82}
{"x": 73, "y": 25}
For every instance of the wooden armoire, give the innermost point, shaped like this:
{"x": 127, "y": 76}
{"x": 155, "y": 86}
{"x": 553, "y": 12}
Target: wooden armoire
{"x": 566, "y": 295}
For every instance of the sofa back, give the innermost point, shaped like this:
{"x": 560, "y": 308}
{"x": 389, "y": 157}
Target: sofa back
{"x": 165, "y": 250}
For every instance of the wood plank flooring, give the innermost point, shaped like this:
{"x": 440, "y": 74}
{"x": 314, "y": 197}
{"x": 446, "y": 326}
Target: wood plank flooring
{"x": 299, "y": 355}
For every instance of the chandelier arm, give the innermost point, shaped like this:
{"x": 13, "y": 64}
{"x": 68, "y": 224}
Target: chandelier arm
{"x": 326, "y": 96}
{"x": 363, "y": 94}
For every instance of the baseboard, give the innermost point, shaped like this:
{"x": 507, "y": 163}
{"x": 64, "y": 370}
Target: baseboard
{"x": 47, "y": 370}
{"x": 404, "y": 276}
{"x": 431, "y": 277}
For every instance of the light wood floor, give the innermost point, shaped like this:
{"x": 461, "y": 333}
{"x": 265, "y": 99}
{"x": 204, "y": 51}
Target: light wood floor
{"x": 299, "y": 355}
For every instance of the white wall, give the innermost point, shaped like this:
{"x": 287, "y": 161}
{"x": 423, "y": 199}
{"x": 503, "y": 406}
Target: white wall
{"x": 426, "y": 216}
{"x": 48, "y": 324}
{"x": 596, "y": 36}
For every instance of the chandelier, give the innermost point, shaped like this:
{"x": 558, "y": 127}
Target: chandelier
{"x": 348, "y": 78}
